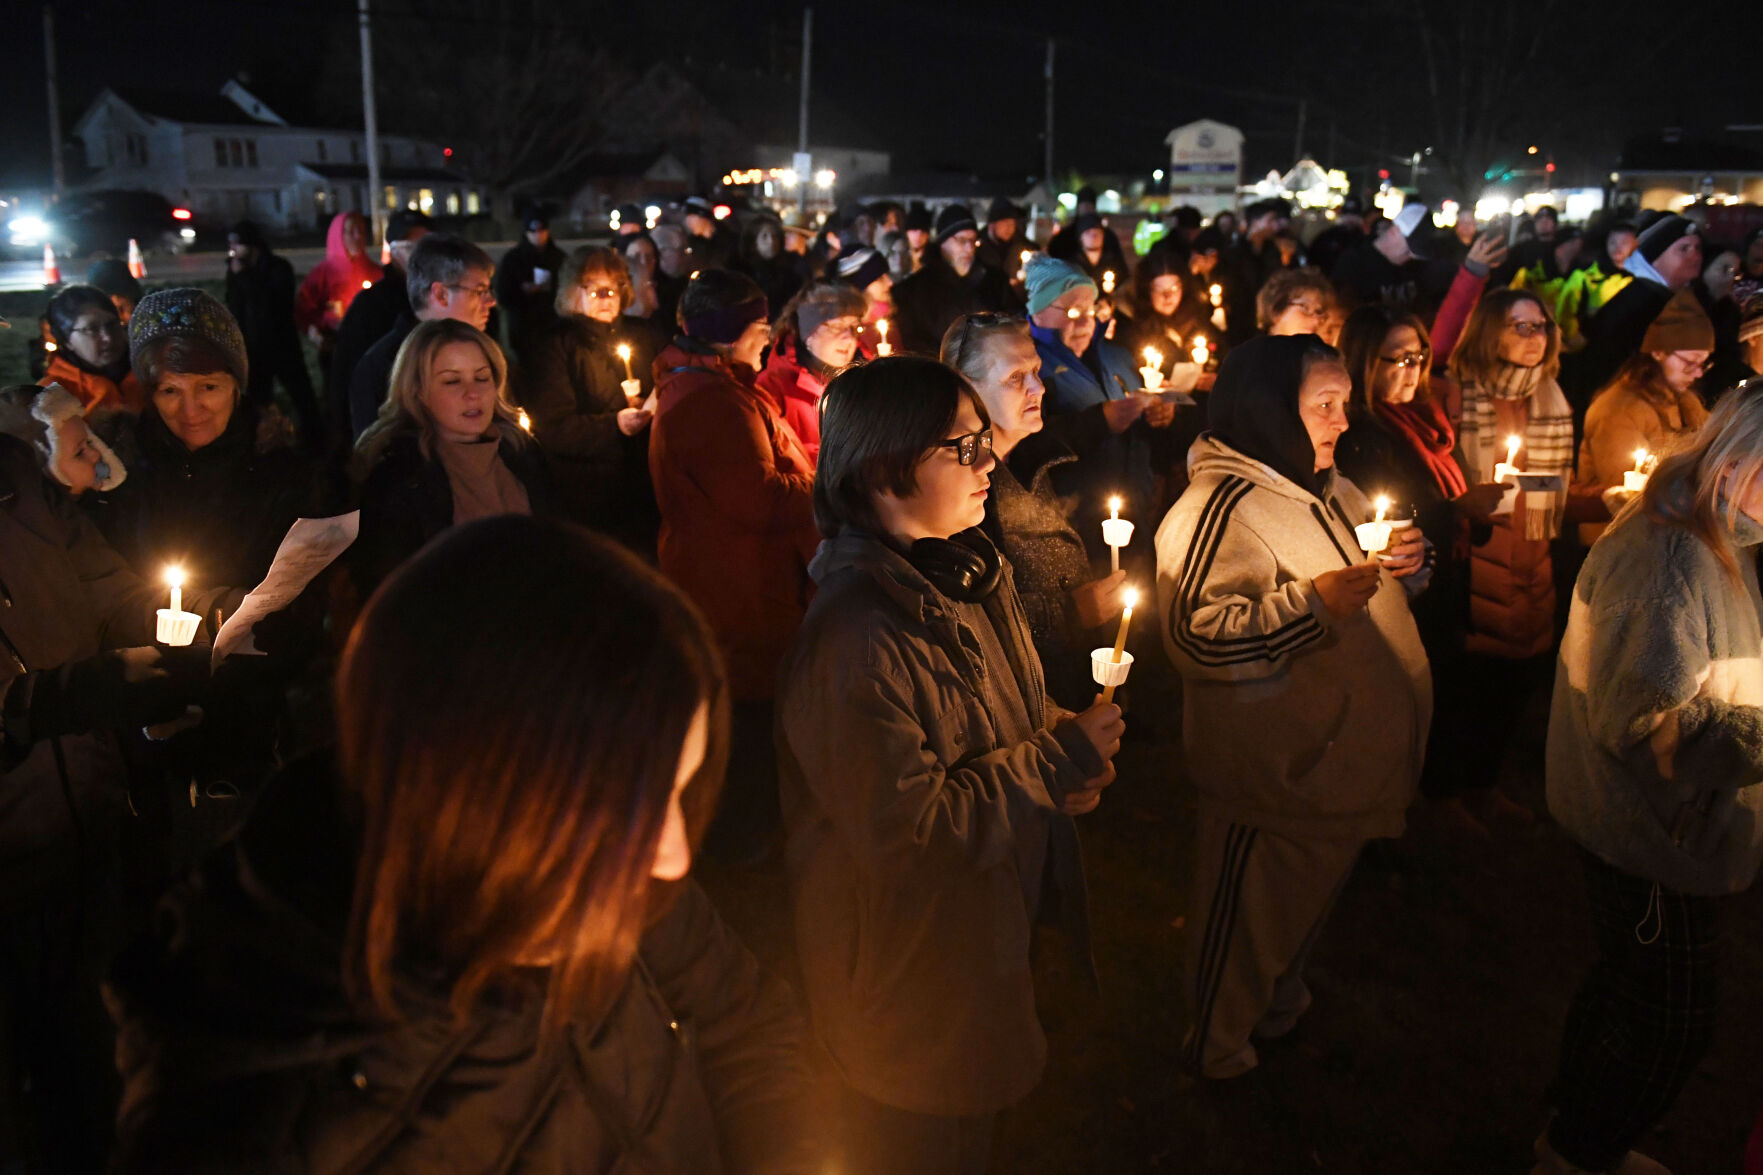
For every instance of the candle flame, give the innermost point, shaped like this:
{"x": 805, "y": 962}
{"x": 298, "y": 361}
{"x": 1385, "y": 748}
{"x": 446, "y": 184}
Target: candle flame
{"x": 1132, "y": 598}
{"x": 174, "y": 576}
{"x": 1383, "y": 507}
{"x": 1640, "y": 460}
{"x": 526, "y": 421}
{"x": 1114, "y": 503}
{"x": 1153, "y": 357}
{"x": 1513, "y": 444}
{"x": 881, "y": 324}
{"x": 624, "y": 351}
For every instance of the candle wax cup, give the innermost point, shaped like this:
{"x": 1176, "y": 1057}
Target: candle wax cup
{"x": 1634, "y": 482}
{"x": 633, "y": 391}
{"x": 1153, "y": 378}
{"x": 1373, "y": 536}
{"x": 176, "y": 629}
{"x": 1116, "y": 532}
{"x": 1106, "y": 670}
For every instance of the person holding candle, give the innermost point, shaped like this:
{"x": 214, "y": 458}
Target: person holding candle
{"x": 1654, "y": 755}
{"x": 1090, "y": 386}
{"x": 474, "y": 941}
{"x": 1652, "y": 402}
{"x": 952, "y": 281}
{"x": 527, "y": 283}
{"x": 1163, "y": 315}
{"x": 1069, "y": 605}
{"x": 573, "y": 386}
{"x": 331, "y": 285}
{"x": 815, "y": 340}
{"x": 1306, "y": 693}
{"x": 446, "y": 449}
{"x": 1402, "y": 442}
{"x": 928, "y": 781}
{"x": 206, "y": 490}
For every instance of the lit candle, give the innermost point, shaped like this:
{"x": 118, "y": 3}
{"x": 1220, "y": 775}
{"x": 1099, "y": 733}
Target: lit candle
{"x": 1383, "y": 507}
{"x": 1201, "y": 352}
{"x": 624, "y": 353}
{"x": 1635, "y": 480}
{"x": 1152, "y": 371}
{"x": 174, "y": 579}
{"x": 1509, "y": 467}
{"x": 1132, "y": 598}
{"x": 526, "y": 421}
{"x": 1216, "y": 293}
{"x": 175, "y": 626}
{"x": 1116, "y": 532}
{"x": 1022, "y": 270}
{"x": 883, "y": 348}
{"x": 1108, "y": 282}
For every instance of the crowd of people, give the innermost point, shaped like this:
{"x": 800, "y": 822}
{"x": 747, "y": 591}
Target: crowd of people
{"x": 402, "y": 881}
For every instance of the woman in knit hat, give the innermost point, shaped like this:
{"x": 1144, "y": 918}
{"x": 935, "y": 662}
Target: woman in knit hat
{"x": 446, "y": 449}
{"x": 1651, "y": 404}
{"x": 817, "y": 337}
{"x": 89, "y": 355}
{"x": 1655, "y": 753}
{"x": 205, "y": 493}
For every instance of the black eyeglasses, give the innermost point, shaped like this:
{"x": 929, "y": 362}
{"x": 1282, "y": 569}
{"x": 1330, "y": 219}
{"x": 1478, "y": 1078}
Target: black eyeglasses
{"x": 1410, "y": 359}
{"x": 967, "y": 447}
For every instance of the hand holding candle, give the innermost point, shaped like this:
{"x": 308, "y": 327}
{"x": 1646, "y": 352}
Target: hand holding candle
{"x": 1116, "y": 532}
{"x": 1152, "y": 371}
{"x": 1635, "y": 480}
{"x": 1374, "y": 536}
{"x": 1509, "y": 467}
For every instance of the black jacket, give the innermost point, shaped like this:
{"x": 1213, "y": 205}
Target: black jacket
{"x": 373, "y": 312}
{"x": 1613, "y": 335}
{"x": 926, "y": 302}
{"x": 528, "y": 313}
{"x": 406, "y": 500}
{"x": 239, "y": 1051}
{"x": 1365, "y": 277}
{"x": 220, "y": 511}
{"x": 261, "y": 299}
{"x": 372, "y": 378}
{"x": 570, "y": 385}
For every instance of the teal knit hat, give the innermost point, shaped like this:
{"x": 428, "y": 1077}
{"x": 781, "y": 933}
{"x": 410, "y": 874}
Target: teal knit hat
{"x": 1049, "y": 279}
{"x": 185, "y": 313}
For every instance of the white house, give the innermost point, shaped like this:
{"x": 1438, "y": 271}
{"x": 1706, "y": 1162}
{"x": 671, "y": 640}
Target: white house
{"x": 228, "y": 156}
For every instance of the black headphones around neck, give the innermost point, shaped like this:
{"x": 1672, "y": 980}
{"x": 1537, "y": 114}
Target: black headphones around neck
{"x": 965, "y": 567}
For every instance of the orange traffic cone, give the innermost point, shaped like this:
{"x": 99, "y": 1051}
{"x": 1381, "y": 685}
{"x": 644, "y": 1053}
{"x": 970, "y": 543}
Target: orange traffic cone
{"x": 137, "y": 264}
{"x": 51, "y": 269}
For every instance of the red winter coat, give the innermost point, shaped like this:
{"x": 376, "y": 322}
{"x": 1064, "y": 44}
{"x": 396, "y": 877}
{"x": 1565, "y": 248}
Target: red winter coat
{"x": 796, "y": 392}
{"x": 334, "y": 282}
{"x": 737, "y": 522}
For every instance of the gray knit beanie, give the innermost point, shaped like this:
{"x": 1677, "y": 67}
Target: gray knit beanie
{"x": 185, "y": 313}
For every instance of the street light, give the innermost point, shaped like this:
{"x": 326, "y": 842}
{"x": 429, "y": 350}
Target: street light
{"x": 788, "y": 177}
{"x": 1157, "y": 175}
{"x": 823, "y": 179}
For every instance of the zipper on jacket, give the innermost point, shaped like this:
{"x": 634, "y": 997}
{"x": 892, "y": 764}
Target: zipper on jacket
{"x": 1322, "y": 521}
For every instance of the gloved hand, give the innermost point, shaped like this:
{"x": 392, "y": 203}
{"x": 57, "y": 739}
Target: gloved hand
{"x": 116, "y": 690}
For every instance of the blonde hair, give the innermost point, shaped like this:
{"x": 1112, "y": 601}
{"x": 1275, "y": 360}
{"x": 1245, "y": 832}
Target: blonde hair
{"x": 1477, "y": 354}
{"x": 404, "y": 411}
{"x": 1721, "y": 460}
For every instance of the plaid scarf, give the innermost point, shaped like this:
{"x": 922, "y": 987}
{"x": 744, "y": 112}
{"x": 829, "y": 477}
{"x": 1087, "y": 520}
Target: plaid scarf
{"x": 1518, "y": 400}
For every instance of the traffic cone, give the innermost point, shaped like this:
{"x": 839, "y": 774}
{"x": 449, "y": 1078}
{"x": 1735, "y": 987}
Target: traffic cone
{"x": 51, "y": 269}
{"x": 137, "y": 264}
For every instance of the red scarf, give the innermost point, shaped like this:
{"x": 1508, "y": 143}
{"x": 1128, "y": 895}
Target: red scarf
{"x": 1427, "y": 430}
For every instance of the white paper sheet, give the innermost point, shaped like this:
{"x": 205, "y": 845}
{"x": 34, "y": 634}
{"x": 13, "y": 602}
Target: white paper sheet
{"x": 311, "y": 545}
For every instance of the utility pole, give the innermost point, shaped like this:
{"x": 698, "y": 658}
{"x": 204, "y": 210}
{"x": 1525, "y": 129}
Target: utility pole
{"x": 376, "y": 200}
{"x": 58, "y": 166}
{"x": 1047, "y": 163}
{"x": 1298, "y": 141}
{"x": 803, "y": 179}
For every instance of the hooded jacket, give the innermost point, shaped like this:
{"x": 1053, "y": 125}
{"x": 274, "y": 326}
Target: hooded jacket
{"x": 735, "y": 489}
{"x": 796, "y": 389}
{"x": 919, "y": 835}
{"x": 239, "y": 1050}
{"x": 1295, "y": 721}
{"x": 332, "y": 284}
{"x": 1659, "y": 628}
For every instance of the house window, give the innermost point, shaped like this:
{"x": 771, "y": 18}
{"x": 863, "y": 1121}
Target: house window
{"x": 135, "y": 147}
{"x": 322, "y": 156}
{"x": 354, "y": 150}
{"x": 425, "y": 200}
{"x": 472, "y": 204}
{"x": 321, "y": 203}
{"x": 220, "y": 152}
{"x": 250, "y": 152}
{"x": 453, "y": 203}
{"x": 236, "y": 149}
{"x": 391, "y": 196}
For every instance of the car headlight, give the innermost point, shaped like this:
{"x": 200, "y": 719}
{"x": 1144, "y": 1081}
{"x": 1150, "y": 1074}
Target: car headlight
{"x": 28, "y": 230}
{"x": 188, "y": 234}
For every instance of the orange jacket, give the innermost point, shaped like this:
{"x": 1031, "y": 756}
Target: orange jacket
{"x": 94, "y": 390}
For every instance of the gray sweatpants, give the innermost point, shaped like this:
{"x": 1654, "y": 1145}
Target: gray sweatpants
{"x": 1260, "y": 900}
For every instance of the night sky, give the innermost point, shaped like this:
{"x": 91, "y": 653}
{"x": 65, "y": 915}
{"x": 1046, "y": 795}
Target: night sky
{"x": 946, "y": 87}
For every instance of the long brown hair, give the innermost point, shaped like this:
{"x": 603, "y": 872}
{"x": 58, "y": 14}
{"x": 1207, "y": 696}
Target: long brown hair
{"x": 1477, "y": 355}
{"x": 1361, "y": 347}
{"x": 511, "y": 707}
{"x": 1699, "y": 484}
{"x": 404, "y": 410}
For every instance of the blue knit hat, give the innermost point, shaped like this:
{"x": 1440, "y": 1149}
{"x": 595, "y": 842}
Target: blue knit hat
{"x": 185, "y": 313}
{"x": 1049, "y": 279}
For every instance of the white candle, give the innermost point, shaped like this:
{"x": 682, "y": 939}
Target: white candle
{"x": 1635, "y": 480}
{"x": 174, "y": 578}
{"x": 883, "y": 348}
{"x": 1022, "y": 270}
{"x": 1152, "y": 371}
{"x": 1509, "y": 467}
{"x": 1116, "y": 532}
{"x": 1108, "y": 282}
{"x": 624, "y": 353}
{"x": 1132, "y": 598}
{"x": 1216, "y": 294}
{"x": 1201, "y": 351}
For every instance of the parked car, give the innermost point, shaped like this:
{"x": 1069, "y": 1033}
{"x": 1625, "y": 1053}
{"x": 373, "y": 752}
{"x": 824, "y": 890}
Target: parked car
{"x": 89, "y": 223}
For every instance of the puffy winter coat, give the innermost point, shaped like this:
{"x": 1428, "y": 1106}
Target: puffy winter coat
{"x": 1294, "y": 721}
{"x": 735, "y": 489}
{"x": 239, "y": 1051}
{"x": 1627, "y": 416}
